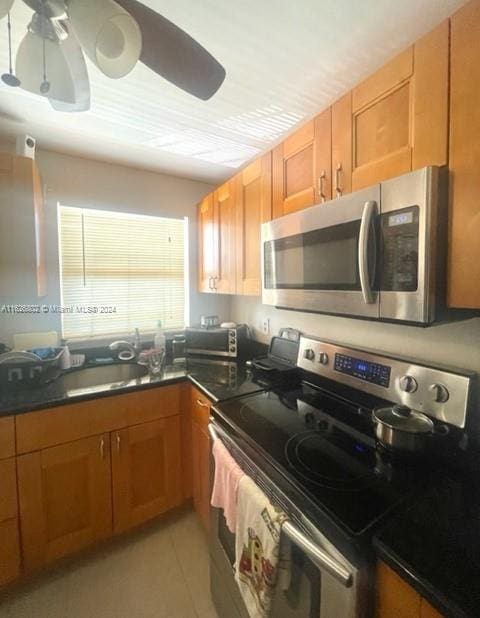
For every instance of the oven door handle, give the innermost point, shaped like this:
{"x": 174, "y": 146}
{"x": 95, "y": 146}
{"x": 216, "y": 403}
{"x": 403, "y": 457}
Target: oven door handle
{"x": 369, "y": 211}
{"x": 322, "y": 559}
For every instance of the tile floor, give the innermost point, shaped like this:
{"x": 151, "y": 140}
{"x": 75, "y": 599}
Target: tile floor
{"x": 158, "y": 572}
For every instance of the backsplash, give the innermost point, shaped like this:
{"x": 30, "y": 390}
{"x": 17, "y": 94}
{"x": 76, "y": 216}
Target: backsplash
{"x": 455, "y": 344}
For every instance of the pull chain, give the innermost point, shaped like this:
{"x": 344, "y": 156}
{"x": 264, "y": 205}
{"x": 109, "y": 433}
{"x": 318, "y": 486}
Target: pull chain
{"x": 9, "y": 78}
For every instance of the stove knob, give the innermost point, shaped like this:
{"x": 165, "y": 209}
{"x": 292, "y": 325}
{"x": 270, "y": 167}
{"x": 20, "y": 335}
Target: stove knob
{"x": 323, "y": 358}
{"x": 309, "y": 354}
{"x": 440, "y": 393}
{"x": 408, "y": 384}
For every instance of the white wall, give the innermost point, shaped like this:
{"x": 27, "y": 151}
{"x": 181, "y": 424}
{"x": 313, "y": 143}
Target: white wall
{"x": 86, "y": 183}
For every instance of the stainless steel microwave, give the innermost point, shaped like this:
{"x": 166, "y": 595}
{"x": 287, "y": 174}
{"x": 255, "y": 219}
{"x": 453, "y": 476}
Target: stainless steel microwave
{"x": 376, "y": 253}
{"x": 216, "y": 341}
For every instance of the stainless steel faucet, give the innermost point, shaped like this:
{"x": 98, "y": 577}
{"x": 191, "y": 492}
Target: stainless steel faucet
{"x": 131, "y": 351}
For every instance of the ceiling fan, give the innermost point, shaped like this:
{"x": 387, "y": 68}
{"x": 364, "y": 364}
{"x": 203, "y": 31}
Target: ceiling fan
{"x": 114, "y": 35}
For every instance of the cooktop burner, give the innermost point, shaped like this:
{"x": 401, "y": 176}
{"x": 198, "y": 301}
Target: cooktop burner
{"x": 324, "y": 444}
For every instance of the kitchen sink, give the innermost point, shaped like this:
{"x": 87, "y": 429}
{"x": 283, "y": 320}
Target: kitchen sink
{"x": 105, "y": 374}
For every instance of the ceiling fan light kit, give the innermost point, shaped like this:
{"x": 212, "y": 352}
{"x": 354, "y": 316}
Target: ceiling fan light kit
{"x": 109, "y": 35}
{"x": 30, "y": 71}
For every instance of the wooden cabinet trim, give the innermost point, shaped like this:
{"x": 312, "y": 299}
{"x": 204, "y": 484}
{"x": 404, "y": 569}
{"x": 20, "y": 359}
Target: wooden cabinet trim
{"x": 342, "y": 144}
{"x": 7, "y": 436}
{"x": 8, "y": 489}
{"x": 10, "y": 561}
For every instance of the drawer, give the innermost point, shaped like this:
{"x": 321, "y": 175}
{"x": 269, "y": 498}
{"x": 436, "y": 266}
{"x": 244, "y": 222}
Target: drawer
{"x": 7, "y": 437}
{"x": 152, "y": 404}
{"x": 200, "y": 407}
{"x": 45, "y": 428}
{"x": 8, "y": 493}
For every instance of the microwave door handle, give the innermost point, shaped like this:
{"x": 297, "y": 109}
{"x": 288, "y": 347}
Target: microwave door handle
{"x": 369, "y": 210}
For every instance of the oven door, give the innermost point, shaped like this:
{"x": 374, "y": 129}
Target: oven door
{"x": 317, "y": 587}
{"x": 324, "y": 258}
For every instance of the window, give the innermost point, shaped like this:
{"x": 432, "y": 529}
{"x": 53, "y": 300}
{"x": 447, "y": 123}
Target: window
{"x": 120, "y": 271}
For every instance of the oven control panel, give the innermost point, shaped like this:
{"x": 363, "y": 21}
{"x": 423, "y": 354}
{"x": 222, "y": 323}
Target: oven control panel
{"x": 363, "y": 369}
{"x": 441, "y": 393}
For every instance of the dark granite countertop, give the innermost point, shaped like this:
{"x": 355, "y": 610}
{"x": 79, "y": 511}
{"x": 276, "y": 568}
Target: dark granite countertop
{"x": 219, "y": 380}
{"x": 435, "y": 544}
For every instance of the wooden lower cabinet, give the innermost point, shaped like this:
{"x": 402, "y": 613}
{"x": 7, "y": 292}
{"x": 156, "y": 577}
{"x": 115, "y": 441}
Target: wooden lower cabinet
{"x": 146, "y": 471}
{"x": 9, "y": 551}
{"x": 65, "y": 499}
{"x": 397, "y": 599}
{"x": 201, "y": 456}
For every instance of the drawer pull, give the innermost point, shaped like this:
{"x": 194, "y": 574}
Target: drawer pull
{"x": 202, "y": 404}
{"x": 118, "y": 442}
{"x": 102, "y": 447}
{"x": 338, "y": 188}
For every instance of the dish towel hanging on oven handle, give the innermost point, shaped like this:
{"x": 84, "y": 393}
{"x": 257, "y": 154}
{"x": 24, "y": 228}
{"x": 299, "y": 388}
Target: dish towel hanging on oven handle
{"x": 260, "y": 564}
{"x": 225, "y": 484}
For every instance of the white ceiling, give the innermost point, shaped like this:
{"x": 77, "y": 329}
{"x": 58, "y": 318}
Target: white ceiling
{"x": 285, "y": 60}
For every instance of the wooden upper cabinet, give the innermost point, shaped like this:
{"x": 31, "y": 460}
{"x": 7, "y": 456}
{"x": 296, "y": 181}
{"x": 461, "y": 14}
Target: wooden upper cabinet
{"x": 65, "y": 499}
{"x": 400, "y": 113}
{"x": 207, "y": 266}
{"x": 22, "y": 229}
{"x": 301, "y": 167}
{"x": 224, "y": 208}
{"x": 146, "y": 471}
{"x": 342, "y": 146}
{"x": 254, "y": 207}
{"x": 464, "y": 250}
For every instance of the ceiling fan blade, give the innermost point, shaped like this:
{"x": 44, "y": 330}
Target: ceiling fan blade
{"x": 175, "y": 55}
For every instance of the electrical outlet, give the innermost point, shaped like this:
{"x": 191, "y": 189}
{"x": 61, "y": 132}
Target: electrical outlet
{"x": 266, "y": 326}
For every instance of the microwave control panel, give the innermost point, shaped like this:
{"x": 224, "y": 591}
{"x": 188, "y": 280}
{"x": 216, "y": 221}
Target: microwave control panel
{"x": 400, "y": 237}
{"x": 363, "y": 369}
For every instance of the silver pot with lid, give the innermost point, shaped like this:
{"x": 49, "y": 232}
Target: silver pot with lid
{"x": 399, "y": 428}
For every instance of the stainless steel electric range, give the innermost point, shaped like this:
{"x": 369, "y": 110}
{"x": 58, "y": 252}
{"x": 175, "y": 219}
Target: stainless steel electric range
{"x": 312, "y": 449}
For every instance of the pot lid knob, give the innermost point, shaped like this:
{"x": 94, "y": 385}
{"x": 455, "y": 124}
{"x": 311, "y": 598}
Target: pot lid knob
{"x": 403, "y": 411}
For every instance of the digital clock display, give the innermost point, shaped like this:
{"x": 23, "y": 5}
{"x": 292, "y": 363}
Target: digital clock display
{"x": 363, "y": 370}
{"x": 401, "y": 218}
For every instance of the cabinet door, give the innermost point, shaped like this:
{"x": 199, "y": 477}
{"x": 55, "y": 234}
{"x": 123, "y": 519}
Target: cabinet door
{"x": 254, "y": 207}
{"x": 400, "y": 113}
{"x": 464, "y": 255}
{"x": 146, "y": 470}
{"x": 395, "y": 598}
{"x": 297, "y": 166}
{"x": 207, "y": 267}
{"x": 8, "y": 489}
{"x": 427, "y": 611}
{"x": 40, "y": 242}
{"x": 7, "y": 436}
{"x": 10, "y": 551}
{"x": 65, "y": 499}
{"x": 201, "y": 472}
{"x": 224, "y": 204}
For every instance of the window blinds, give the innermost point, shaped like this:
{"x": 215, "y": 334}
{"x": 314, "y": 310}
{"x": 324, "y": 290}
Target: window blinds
{"x": 120, "y": 272}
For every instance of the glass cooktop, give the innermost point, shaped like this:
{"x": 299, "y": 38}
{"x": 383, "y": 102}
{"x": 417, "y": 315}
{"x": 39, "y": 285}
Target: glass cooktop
{"x": 325, "y": 445}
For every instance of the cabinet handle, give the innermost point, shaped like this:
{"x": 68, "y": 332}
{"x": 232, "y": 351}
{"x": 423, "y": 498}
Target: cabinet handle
{"x": 102, "y": 447}
{"x": 118, "y": 442}
{"x": 338, "y": 188}
{"x": 214, "y": 284}
{"x": 210, "y": 283}
{"x": 202, "y": 404}
{"x": 320, "y": 186}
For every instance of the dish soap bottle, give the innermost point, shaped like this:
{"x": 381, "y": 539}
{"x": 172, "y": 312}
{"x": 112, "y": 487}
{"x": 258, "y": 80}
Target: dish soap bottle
{"x": 159, "y": 341}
